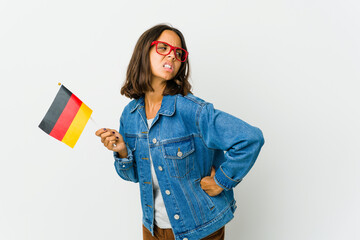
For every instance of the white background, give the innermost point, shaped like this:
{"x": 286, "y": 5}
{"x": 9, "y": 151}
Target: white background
{"x": 289, "y": 67}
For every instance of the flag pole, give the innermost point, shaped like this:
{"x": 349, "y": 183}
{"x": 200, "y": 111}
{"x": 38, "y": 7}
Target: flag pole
{"x": 114, "y": 145}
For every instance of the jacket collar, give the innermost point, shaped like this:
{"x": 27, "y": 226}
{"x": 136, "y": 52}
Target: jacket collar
{"x": 167, "y": 105}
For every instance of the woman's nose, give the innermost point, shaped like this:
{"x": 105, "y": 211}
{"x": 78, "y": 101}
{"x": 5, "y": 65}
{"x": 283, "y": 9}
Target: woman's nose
{"x": 172, "y": 54}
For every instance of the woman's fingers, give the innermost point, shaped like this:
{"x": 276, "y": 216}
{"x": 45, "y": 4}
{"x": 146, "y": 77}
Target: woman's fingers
{"x": 111, "y": 139}
{"x": 100, "y": 131}
{"x": 107, "y": 133}
{"x": 209, "y": 185}
{"x": 111, "y": 145}
{"x": 104, "y": 135}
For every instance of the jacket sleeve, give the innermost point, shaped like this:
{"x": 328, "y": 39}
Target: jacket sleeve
{"x": 126, "y": 167}
{"x": 241, "y": 141}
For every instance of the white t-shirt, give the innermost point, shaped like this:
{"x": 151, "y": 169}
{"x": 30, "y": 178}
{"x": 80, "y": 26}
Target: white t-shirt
{"x": 160, "y": 214}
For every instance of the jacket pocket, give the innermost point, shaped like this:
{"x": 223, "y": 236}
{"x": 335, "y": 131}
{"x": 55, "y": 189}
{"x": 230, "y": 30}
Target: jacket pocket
{"x": 205, "y": 198}
{"x": 178, "y": 156}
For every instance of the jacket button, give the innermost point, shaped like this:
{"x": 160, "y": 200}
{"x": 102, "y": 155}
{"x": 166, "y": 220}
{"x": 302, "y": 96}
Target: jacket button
{"x": 179, "y": 154}
{"x": 154, "y": 140}
{"x": 167, "y": 192}
{"x": 176, "y": 216}
{"x": 160, "y": 168}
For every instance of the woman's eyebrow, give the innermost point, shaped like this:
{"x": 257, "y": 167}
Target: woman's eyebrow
{"x": 164, "y": 42}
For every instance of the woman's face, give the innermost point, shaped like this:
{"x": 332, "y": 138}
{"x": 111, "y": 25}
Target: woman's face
{"x": 165, "y": 67}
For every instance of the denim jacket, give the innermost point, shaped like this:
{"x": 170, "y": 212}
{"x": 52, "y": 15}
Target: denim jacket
{"x": 186, "y": 139}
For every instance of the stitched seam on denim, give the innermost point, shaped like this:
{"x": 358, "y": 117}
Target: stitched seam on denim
{"x": 156, "y": 118}
{"x": 217, "y": 181}
{"x": 211, "y": 205}
{"x": 125, "y": 169}
{"x": 135, "y": 103}
{"x": 197, "y": 119}
{"x": 134, "y": 135}
{"x": 124, "y": 163}
{"x": 197, "y": 125}
{"x": 190, "y": 203}
{"x": 174, "y": 176}
{"x": 199, "y": 102}
{"x": 237, "y": 181}
{"x": 131, "y": 135}
{"x": 177, "y": 139}
{"x": 196, "y": 198}
{"x": 168, "y": 112}
{"x": 173, "y": 164}
{"x": 219, "y": 216}
{"x": 172, "y": 160}
{"x": 142, "y": 117}
{"x": 226, "y": 197}
{"x": 179, "y": 158}
{"x": 176, "y": 167}
{"x": 209, "y": 199}
{"x": 132, "y": 149}
{"x": 126, "y": 175}
{"x": 127, "y": 161}
{"x": 143, "y": 136}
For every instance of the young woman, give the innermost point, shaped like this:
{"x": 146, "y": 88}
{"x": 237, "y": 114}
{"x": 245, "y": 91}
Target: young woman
{"x": 186, "y": 156}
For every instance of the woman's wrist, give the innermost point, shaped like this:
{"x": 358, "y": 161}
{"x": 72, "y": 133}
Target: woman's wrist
{"x": 123, "y": 153}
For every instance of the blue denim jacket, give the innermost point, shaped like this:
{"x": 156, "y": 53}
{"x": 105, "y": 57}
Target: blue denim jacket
{"x": 187, "y": 137}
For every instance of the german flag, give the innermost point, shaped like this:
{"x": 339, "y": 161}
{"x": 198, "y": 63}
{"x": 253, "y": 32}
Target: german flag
{"x": 66, "y": 118}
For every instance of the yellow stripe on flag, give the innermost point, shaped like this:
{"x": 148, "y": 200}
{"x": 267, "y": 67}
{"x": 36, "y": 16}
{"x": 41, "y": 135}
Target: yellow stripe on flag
{"x": 77, "y": 126}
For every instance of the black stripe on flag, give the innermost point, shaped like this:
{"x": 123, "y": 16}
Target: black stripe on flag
{"x": 55, "y": 110}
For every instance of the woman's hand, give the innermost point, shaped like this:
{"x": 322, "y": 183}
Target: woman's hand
{"x": 113, "y": 141}
{"x": 209, "y": 185}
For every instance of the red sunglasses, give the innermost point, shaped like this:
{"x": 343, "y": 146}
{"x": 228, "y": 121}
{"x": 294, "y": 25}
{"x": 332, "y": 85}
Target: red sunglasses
{"x": 165, "y": 49}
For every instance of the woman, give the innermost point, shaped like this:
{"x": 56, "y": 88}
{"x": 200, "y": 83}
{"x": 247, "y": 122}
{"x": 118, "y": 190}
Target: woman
{"x": 186, "y": 155}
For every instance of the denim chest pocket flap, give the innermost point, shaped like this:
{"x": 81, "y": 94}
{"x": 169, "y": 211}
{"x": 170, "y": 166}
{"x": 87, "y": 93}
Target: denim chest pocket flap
{"x": 178, "y": 155}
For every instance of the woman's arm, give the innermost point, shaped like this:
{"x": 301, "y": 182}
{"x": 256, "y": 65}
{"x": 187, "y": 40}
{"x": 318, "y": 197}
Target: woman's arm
{"x": 125, "y": 165}
{"x": 241, "y": 141}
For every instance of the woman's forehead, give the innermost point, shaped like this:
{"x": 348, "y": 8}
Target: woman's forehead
{"x": 170, "y": 37}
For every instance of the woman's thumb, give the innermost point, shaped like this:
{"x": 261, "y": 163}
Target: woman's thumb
{"x": 212, "y": 172}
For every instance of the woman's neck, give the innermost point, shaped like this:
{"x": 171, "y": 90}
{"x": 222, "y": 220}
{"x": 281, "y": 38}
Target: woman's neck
{"x": 153, "y": 99}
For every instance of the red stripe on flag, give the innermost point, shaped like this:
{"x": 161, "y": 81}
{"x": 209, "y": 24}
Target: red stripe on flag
{"x": 66, "y": 118}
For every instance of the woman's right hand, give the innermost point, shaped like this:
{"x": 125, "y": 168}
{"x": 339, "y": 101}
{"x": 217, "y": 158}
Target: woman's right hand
{"x": 113, "y": 141}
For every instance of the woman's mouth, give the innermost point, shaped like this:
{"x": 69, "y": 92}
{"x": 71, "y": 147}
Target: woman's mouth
{"x": 168, "y": 67}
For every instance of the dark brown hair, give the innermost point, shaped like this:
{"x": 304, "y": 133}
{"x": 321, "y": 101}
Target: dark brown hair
{"x": 138, "y": 75}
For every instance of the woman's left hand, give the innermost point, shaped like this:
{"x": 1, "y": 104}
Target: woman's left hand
{"x": 209, "y": 185}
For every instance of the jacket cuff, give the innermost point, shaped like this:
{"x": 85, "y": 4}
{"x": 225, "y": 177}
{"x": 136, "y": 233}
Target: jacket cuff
{"x": 126, "y": 160}
{"x": 224, "y": 181}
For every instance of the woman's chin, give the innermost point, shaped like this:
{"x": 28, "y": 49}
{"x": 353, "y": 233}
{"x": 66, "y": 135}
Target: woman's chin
{"x": 168, "y": 77}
